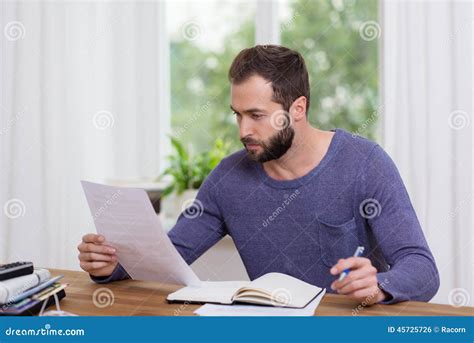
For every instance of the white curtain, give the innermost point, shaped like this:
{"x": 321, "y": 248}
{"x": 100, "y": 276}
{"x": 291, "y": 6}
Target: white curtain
{"x": 427, "y": 127}
{"x": 84, "y": 95}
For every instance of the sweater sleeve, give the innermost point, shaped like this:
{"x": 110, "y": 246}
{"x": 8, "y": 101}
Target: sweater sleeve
{"x": 118, "y": 274}
{"x": 385, "y": 204}
{"x": 201, "y": 224}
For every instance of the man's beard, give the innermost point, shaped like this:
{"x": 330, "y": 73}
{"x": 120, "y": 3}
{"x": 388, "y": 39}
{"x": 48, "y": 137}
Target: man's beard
{"x": 277, "y": 145}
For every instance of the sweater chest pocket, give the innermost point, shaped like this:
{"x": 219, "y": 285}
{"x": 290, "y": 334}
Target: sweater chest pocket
{"x": 337, "y": 241}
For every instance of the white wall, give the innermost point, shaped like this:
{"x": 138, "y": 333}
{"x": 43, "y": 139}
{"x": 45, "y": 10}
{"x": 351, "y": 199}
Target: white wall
{"x": 427, "y": 126}
{"x": 84, "y": 95}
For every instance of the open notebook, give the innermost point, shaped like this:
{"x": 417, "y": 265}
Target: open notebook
{"x": 273, "y": 289}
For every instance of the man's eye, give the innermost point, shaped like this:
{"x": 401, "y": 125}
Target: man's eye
{"x": 257, "y": 116}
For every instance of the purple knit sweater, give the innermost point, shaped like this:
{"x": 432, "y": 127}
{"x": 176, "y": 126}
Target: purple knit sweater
{"x": 301, "y": 227}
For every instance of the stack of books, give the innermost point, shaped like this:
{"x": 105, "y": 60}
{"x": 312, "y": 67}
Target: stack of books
{"x": 25, "y": 290}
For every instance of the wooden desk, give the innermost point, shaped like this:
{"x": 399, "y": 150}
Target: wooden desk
{"x": 145, "y": 298}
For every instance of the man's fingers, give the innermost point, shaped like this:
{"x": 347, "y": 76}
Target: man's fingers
{"x": 93, "y": 238}
{"x": 87, "y": 266}
{"x": 357, "y": 285}
{"x": 349, "y": 263}
{"x": 91, "y": 247}
{"x": 92, "y": 256}
{"x": 352, "y": 276}
{"x": 355, "y": 274}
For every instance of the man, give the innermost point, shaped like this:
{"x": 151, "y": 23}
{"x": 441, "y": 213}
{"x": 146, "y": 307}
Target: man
{"x": 298, "y": 200}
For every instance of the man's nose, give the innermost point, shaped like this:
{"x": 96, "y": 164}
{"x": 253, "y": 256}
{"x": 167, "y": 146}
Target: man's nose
{"x": 245, "y": 128}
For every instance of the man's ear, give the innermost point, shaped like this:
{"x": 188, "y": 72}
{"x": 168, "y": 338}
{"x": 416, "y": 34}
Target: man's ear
{"x": 298, "y": 109}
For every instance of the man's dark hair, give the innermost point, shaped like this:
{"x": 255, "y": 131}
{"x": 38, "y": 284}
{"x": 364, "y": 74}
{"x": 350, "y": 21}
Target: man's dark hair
{"x": 283, "y": 67}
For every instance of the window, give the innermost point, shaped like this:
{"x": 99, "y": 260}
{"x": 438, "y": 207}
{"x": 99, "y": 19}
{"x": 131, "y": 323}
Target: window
{"x": 338, "y": 40}
{"x": 205, "y": 36}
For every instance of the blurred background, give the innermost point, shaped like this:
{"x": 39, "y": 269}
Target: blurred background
{"x": 136, "y": 93}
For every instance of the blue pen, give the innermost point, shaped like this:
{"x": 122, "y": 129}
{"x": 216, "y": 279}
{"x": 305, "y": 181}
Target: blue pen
{"x": 357, "y": 253}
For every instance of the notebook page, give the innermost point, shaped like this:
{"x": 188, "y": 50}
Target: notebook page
{"x": 210, "y": 291}
{"x": 286, "y": 289}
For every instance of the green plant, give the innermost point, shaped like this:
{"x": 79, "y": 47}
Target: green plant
{"x": 188, "y": 171}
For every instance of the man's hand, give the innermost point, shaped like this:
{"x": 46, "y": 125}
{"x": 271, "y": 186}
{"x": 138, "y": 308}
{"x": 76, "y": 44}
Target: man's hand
{"x": 95, "y": 257}
{"x": 361, "y": 282}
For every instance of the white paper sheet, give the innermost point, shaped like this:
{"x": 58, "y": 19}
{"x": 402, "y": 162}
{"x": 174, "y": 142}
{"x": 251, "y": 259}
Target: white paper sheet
{"x": 126, "y": 218}
{"x": 251, "y": 310}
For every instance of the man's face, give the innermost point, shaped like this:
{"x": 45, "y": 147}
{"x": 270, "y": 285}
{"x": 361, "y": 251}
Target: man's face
{"x": 265, "y": 128}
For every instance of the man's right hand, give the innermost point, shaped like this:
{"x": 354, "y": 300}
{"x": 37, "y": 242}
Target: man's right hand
{"x": 95, "y": 257}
